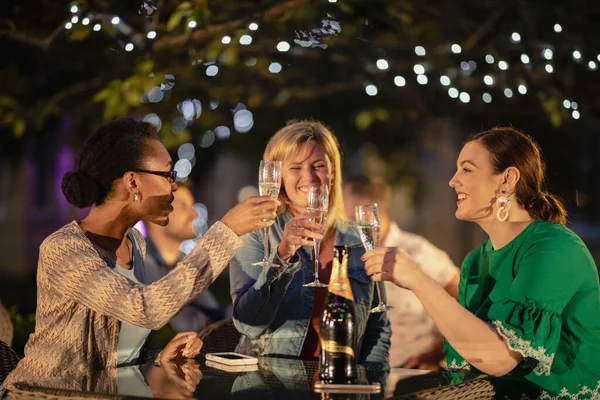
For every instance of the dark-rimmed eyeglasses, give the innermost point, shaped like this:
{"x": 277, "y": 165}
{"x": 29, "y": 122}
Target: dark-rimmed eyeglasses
{"x": 170, "y": 175}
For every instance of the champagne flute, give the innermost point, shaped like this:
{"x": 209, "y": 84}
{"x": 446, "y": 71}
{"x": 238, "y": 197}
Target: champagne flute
{"x": 269, "y": 183}
{"x": 317, "y": 202}
{"x": 367, "y": 218}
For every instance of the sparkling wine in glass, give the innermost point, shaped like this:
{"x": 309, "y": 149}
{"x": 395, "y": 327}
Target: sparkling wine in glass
{"x": 269, "y": 182}
{"x": 317, "y": 203}
{"x": 367, "y": 218}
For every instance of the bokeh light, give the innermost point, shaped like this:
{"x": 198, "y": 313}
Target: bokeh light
{"x": 207, "y": 139}
{"x": 222, "y": 132}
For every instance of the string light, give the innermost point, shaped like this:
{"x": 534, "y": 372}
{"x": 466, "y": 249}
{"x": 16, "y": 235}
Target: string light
{"x": 382, "y": 64}
{"x": 371, "y": 90}
{"x": 420, "y": 51}
{"x": 245, "y": 40}
{"x": 74, "y": 9}
{"x": 419, "y": 69}
{"x": 75, "y": 19}
{"x": 283, "y": 46}
{"x": 275, "y": 68}
{"x": 68, "y": 25}
{"x": 399, "y": 81}
{"x": 212, "y": 70}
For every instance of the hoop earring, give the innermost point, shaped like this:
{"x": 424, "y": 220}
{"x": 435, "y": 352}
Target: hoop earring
{"x": 503, "y": 207}
{"x": 136, "y": 197}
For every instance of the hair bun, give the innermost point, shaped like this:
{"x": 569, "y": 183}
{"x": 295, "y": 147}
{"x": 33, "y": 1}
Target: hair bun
{"x": 549, "y": 208}
{"x": 80, "y": 189}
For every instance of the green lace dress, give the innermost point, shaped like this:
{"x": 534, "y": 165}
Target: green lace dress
{"x": 541, "y": 293}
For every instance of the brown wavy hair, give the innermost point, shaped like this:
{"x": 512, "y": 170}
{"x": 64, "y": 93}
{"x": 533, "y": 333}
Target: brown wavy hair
{"x": 511, "y": 148}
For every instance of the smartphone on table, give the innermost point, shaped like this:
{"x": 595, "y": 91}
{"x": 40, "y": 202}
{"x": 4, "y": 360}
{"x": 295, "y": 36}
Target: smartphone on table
{"x": 232, "y": 359}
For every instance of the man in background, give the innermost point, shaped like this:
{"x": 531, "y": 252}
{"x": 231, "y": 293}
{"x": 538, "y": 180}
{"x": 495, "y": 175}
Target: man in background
{"x": 416, "y": 343}
{"x": 163, "y": 252}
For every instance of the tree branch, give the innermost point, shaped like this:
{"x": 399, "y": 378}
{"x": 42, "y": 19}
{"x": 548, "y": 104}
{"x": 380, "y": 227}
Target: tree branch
{"x": 210, "y": 32}
{"x": 70, "y": 91}
{"x": 41, "y": 43}
{"x": 482, "y": 30}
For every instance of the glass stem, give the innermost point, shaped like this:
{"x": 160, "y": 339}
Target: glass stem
{"x": 317, "y": 245}
{"x": 378, "y": 293}
{"x": 266, "y": 244}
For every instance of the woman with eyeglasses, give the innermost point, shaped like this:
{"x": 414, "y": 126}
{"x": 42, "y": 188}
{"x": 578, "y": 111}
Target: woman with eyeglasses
{"x": 94, "y": 310}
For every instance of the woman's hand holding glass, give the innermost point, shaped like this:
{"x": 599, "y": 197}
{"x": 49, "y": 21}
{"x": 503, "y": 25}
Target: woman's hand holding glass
{"x": 251, "y": 214}
{"x": 367, "y": 218}
{"x": 299, "y": 231}
{"x": 394, "y": 265}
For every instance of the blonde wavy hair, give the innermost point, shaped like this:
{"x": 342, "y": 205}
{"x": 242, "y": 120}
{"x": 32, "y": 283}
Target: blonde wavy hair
{"x": 288, "y": 140}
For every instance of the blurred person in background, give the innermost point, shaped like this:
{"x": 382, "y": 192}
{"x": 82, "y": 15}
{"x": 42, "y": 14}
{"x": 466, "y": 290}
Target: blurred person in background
{"x": 94, "y": 307}
{"x": 416, "y": 343}
{"x": 163, "y": 252}
{"x": 529, "y": 297}
{"x": 272, "y": 309}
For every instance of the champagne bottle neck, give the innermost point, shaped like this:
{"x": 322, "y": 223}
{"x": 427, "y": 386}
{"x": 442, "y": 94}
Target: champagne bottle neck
{"x": 339, "y": 283}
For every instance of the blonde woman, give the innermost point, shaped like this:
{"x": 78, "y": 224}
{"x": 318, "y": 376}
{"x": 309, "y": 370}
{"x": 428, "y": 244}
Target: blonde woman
{"x": 272, "y": 309}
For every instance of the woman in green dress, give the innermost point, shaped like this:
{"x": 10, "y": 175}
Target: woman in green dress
{"x": 529, "y": 297}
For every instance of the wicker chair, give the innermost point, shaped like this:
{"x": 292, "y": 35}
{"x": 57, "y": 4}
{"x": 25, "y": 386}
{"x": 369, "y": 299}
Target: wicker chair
{"x": 222, "y": 336}
{"x": 6, "y": 327}
{"x": 477, "y": 389}
{"x": 8, "y": 360}
{"x": 23, "y": 391}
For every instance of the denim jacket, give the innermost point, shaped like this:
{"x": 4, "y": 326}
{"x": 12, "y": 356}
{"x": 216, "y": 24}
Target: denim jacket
{"x": 272, "y": 310}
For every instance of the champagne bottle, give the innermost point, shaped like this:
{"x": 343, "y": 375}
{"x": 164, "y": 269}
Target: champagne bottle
{"x": 338, "y": 325}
